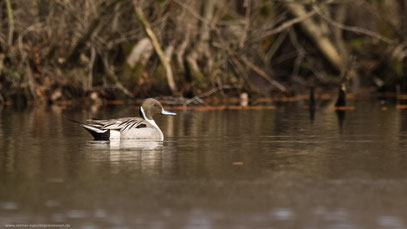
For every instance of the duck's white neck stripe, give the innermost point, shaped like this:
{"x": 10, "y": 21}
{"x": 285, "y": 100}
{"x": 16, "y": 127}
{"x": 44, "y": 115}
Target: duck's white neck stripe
{"x": 142, "y": 112}
{"x": 152, "y": 122}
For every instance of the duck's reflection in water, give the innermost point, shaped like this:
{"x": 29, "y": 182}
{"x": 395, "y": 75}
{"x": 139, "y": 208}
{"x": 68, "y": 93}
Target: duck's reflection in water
{"x": 135, "y": 145}
{"x": 143, "y": 156}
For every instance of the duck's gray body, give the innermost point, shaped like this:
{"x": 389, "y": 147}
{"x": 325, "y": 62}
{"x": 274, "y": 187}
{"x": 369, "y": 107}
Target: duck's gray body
{"x": 138, "y": 128}
{"x": 124, "y": 128}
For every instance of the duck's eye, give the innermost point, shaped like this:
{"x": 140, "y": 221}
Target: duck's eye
{"x": 155, "y": 105}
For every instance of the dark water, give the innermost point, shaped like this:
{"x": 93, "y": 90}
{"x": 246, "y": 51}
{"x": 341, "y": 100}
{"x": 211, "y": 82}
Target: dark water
{"x": 216, "y": 169}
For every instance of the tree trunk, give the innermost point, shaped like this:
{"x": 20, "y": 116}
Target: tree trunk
{"x": 340, "y": 16}
{"x": 157, "y": 47}
{"x": 203, "y": 45}
{"x": 320, "y": 39}
{"x": 182, "y": 48}
{"x": 10, "y": 23}
{"x": 141, "y": 52}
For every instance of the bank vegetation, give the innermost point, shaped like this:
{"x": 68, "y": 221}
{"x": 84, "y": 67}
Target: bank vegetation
{"x": 53, "y": 50}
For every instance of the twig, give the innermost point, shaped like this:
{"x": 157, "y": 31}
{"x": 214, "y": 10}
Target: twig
{"x": 1, "y": 101}
{"x": 90, "y": 67}
{"x": 157, "y": 47}
{"x": 346, "y": 75}
{"x": 195, "y": 14}
{"x": 200, "y": 96}
{"x": 91, "y": 31}
{"x": 288, "y": 24}
{"x": 246, "y": 23}
{"x": 2, "y": 57}
{"x": 317, "y": 35}
{"x": 181, "y": 49}
{"x": 74, "y": 54}
{"x": 262, "y": 74}
{"x": 10, "y": 23}
{"x": 276, "y": 45}
{"x": 301, "y": 52}
{"x": 30, "y": 80}
{"x": 113, "y": 77}
{"x": 207, "y": 23}
{"x": 240, "y": 70}
{"x": 352, "y": 28}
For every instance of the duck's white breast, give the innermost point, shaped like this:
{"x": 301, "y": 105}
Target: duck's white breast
{"x": 114, "y": 135}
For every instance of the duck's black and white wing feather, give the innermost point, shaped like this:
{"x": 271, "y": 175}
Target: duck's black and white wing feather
{"x": 100, "y": 129}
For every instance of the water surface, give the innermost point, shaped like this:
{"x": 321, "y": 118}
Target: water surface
{"x": 282, "y": 168}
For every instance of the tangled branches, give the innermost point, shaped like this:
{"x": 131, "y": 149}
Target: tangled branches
{"x": 52, "y": 50}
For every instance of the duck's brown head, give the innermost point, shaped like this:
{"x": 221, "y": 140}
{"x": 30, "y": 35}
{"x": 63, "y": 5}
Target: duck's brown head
{"x": 150, "y": 107}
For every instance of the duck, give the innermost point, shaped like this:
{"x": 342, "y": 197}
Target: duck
{"x": 142, "y": 128}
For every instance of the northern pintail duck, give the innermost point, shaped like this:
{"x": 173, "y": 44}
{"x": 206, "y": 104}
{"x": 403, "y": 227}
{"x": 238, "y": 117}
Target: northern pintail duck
{"x": 140, "y": 128}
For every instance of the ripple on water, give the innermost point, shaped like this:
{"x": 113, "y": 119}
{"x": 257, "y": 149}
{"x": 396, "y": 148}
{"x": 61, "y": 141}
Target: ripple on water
{"x": 198, "y": 219}
{"x": 100, "y": 213}
{"x": 283, "y": 214}
{"x": 58, "y": 217}
{"x": 118, "y": 227}
{"x": 335, "y": 215}
{"x": 88, "y": 226}
{"x": 390, "y": 222}
{"x": 341, "y": 226}
{"x": 166, "y": 212}
{"x": 9, "y": 205}
{"x": 51, "y": 203}
{"x": 76, "y": 214}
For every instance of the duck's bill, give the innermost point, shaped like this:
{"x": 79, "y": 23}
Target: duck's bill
{"x": 164, "y": 112}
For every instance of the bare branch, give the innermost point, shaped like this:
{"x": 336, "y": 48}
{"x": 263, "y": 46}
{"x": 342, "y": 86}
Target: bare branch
{"x": 262, "y": 74}
{"x": 288, "y": 24}
{"x": 200, "y": 96}
{"x": 157, "y": 47}
{"x": 10, "y": 23}
{"x": 352, "y": 28}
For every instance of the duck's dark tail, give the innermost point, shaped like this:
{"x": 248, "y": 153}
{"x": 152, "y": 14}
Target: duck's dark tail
{"x": 94, "y": 129}
{"x": 71, "y": 119}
